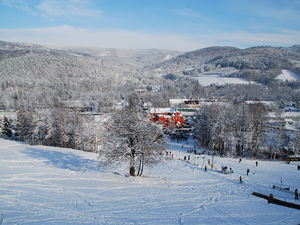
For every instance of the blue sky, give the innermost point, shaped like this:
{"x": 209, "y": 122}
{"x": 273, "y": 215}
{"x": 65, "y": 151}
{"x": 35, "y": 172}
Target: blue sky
{"x": 167, "y": 24}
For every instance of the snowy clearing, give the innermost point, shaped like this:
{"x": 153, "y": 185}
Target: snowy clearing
{"x": 207, "y": 80}
{"x": 47, "y": 185}
{"x": 287, "y": 75}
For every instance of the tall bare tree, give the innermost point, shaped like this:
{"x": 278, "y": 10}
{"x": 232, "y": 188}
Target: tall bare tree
{"x": 130, "y": 136}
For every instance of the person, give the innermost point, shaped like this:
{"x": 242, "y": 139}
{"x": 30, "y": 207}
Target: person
{"x": 230, "y": 170}
{"x": 248, "y": 171}
{"x": 205, "y": 168}
{"x": 240, "y": 160}
{"x": 241, "y": 179}
{"x": 298, "y": 167}
{"x": 296, "y": 194}
{"x": 256, "y": 163}
{"x": 184, "y": 158}
{"x": 189, "y": 158}
{"x": 208, "y": 161}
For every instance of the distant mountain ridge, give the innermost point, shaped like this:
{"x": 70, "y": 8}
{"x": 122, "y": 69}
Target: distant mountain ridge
{"x": 36, "y": 74}
{"x": 255, "y": 63}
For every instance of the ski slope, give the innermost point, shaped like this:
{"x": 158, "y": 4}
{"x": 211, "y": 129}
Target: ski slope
{"x": 47, "y": 185}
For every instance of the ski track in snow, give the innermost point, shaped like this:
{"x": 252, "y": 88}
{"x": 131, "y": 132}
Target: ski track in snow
{"x": 46, "y": 185}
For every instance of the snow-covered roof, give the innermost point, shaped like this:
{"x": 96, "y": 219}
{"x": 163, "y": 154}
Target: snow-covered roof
{"x": 177, "y": 101}
{"x": 161, "y": 110}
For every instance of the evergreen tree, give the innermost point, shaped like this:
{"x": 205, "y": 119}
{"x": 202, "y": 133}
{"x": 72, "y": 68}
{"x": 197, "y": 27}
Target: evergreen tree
{"x": 6, "y": 128}
{"x": 25, "y": 127}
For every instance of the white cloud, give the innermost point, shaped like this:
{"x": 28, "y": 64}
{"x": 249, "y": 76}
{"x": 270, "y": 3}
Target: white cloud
{"x": 68, "y": 8}
{"x": 187, "y": 13}
{"x": 55, "y": 8}
{"x": 18, "y": 4}
{"x": 113, "y": 38}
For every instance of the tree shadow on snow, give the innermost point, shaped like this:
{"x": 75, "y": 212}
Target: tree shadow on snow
{"x": 66, "y": 160}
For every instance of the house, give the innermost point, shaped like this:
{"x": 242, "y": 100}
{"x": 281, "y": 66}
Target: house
{"x": 168, "y": 117}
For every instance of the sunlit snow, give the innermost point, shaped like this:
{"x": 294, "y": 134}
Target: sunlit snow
{"x": 47, "y": 185}
{"x": 288, "y": 75}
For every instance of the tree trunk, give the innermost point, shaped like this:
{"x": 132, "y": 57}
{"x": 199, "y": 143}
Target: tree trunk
{"x": 132, "y": 163}
{"x": 132, "y": 171}
{"x": 140, "y": 165}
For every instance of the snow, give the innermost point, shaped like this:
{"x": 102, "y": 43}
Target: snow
{"x": 268, "y": 103}
{"x": 47, "y": 185}
{"x": 291, "y": 114}
{"x": 8, "y": 114}
{"x": 207, "y": 80}
{"x": 168, "y": 57}
{"x": 287, "y": 75}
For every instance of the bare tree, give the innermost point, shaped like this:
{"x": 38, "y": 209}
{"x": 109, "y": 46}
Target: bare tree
{"x": 296, "y": 140}
{"x": 130, "y": 136}
{"x": 257, "y": 126}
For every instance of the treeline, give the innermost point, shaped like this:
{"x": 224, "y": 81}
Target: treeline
{"x": 244, "y": 129}
{"x": 59, "y": 126}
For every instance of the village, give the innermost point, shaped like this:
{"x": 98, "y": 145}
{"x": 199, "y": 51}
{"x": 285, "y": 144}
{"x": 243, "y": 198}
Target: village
{"x": 178, "y": 120}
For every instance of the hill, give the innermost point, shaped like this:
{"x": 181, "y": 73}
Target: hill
{"x": 47, "y": 185}
{"x": 260, "y": 64}
{"x": 35, "y": 76}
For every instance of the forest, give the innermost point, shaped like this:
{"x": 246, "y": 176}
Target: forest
{"x": 50, "y": 89}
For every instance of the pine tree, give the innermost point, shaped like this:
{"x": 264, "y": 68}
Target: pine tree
{"x": 6, "y": 128}
{"x": 25, "y": 127}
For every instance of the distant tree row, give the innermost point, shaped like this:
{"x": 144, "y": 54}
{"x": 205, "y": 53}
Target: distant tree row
{"x": 59, "y": 126}
{"x": 239, "y": 129}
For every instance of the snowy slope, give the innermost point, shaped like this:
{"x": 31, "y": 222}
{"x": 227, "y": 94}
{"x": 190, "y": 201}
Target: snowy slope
{"x": 46, "y": 185}
{"x": 288, "y": 75}
{"x": 207, "y": 80}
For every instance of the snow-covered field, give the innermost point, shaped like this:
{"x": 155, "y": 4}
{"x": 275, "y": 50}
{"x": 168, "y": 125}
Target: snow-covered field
{"x": 288, "y": 75}
{"x": 47, "y": 185}
{"x": 207, "y": 80}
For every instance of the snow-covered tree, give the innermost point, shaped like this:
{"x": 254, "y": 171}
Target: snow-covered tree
{"x": 6, "y": 128}
{"x": 278, "y": 137}
{"x": 296, "y": 140}
{"x": 130, "y": 136}
{"x": 257, "y": 127}
{"x": 25, "y": 126}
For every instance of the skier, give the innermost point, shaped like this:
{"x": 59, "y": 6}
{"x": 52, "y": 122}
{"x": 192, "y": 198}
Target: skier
{"x": 298, "y": 167}
{"x": 296, "y": 194}
{"x": 208, "y": 161}
{"x": 248, "y": 171}
{"x": 189, "y": 158}
{"x": 184, "y": 158}
{"x": 240, "y": 160}
{"x": 205, "y": 168}
{"x": 241, "y": 179}
{"x": 256, "y": 163}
